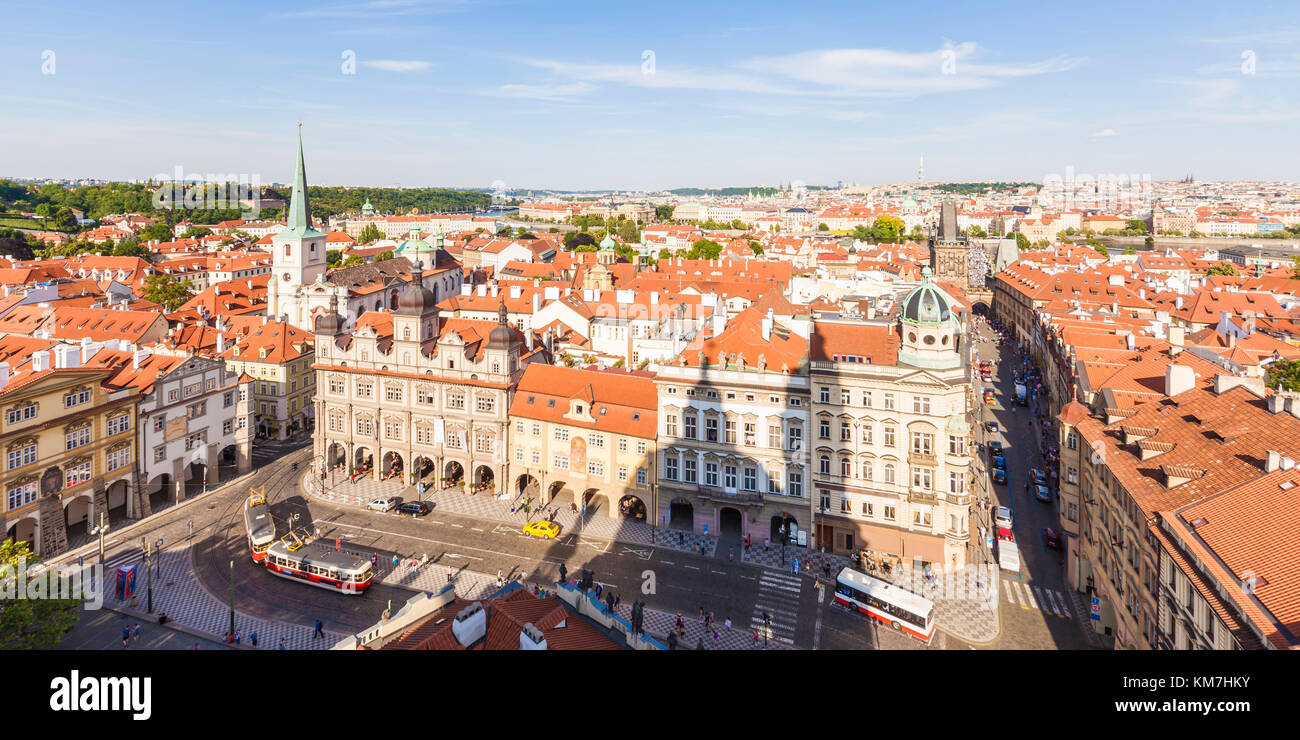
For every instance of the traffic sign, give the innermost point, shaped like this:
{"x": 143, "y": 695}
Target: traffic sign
{"x": 1096, "y": 609}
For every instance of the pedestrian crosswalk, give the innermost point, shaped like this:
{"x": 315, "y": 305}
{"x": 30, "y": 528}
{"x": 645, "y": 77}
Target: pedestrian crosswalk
{"x": 1030, "y": 596}
{"x": 778, "y": 597}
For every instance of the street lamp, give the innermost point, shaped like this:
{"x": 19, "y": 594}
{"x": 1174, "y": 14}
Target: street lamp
{"x": 148, "y": 573}
{"x": 232, "y": 597}
{"x": 101, "y": 530}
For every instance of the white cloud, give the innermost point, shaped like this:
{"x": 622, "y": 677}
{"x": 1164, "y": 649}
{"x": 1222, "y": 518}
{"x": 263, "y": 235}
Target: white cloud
{"x": 397, "y": 65}
{"x": 1104, "y": 133}
{"x": 834, "y": 73}
{"x": 380, "y": 9}
{"x": 558, "y": 92}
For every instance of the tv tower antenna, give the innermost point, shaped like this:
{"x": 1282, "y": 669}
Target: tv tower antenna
{"x": 920, "y": 171}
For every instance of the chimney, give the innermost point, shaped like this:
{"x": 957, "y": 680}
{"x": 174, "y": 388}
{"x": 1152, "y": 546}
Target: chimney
{"x": 138, "y": 357}
{"x": 1178, "y": 379}
{"x": 494, "y": 290}
{"x": 4, "y": 374}
{"x": 515, "y": 292}
{"x": 767, "y": 328}
{"x": 528, "y": 340}
{"x": 221, "y": 342}
{"x": 466, "y": 290}
{"x": 40, "y": 361}
{"x": 1130, "y": 340}
{"x": 531, "y": 638}
{"x": 1272, "y": 461}
{"x": 470, "y": 625}
{"x": 1176, "y": 340}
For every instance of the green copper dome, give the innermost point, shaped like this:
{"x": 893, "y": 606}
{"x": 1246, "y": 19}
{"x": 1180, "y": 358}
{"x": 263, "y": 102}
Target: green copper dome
{"x": 608, "y": 243}
{"x": 413, "y": 244}
{"x": 926, "y": 304}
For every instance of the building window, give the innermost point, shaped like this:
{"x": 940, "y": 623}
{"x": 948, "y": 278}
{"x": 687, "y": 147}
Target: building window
{"x": 537, "y": 430}
{"x": 119, "y": 458}
{"x": 890, "y": 512}
{"x": 519, "y": 427}
{"x": 750, "y": 431}
{"x": 866, "y": 398}
{"x": 889, "y": 437}
{"x": 889, "y": 473}
{"x": 119, "y": 424}
{"x": 561, "y": 434}
{"x": 425, "y": 396}
{"x": 689, "y": 470}
{"x": 774, "y": 481}
{"x": 596, "y": 468}
{"x": 22, "y": 413}
{"x": 866, "y": 509}
{"x": 866, "y": 470}
{"x": 484, "y": 443}
{"x": 922, "y": 444}
{"x": 75, "y": 398}
{"x": 796, "y": 484}
{"x": 956, "y": 445}
{"x": 1072, "y": 441}
{"x": 957, "y": 482}
{"x": 921, "y": 478}
{"x": 670, "y": 468}
{"x": 640, "y": 476}
{"x": 670, "y": 425}
{"x": 774, "y": 436}
{"x": 393, "y": 430}
{"x": 710, "y": 474}
{"x": 365, "y": 390}
{"x": 160, "y": 453}
{"x": 796, "y": 437}
{"x": 76, "y": 438}
{"x": 690, "y": 426}
{"x": 228, "y": 426}
{"x": 22, "y": 495}
{"x": 920, "y": 405}
{"x": 622, "y": 444}
{"x": 486, "y": 404}
{"x": 889, "y": 401}
{"x": 824, "y": 429}
{"x": 455, "y": 400}
{"x": 825, "y": 497}
{"x": 198, "y": 439}
{"x": 195, "y": 410}
{"x": 710, "y": 429}
{"x": 622, "y": 474}
{"x": 846, "y": 467}
{"x": 825, "y": 395}
{"x": 844, "y": 505}
{"x": 1071, "y": 474}
{"x": 596, "y": 440}
{"x": 824, "y": 464}
{"x": 731, "y": 431}
{"x": 77, "y": 474}
{"x": 729, "y": 477}
{"x": 393, "y": 392}
{"x": 640, "y": 447}
{"x": 229, "y": 397}
{"x": 560, "y": 462}
{"x": 751, "y": 479}
{"x": 20, "y": 456}
{"x": 921, "y": 517}
{"x": 846, "y": 432}
{"x": 845, "y": 400}
{"x": 365, "y": 426}
{"x": 536, "y": 457}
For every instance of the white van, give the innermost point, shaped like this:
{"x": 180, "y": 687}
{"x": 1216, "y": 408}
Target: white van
{"x": 1008, "y": 556}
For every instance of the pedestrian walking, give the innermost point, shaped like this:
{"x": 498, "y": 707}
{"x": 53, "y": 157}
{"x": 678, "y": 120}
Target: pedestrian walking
{"x": 448, "y": 574}
{"x": 701, "y": 615}
{"x": 618, "y": 599}
{"x": 281, "y": 645}
{"x": 196, "y": 646}
{"x": 239, "y": 637}
{"x": 320, "y": 630}
{"x": 135, "y": 632}
{"x": 126, "y": 636}
{"x": 728, "y": 624}
{"x": 767, "y": 543}
{"x": 253, "y": 638}
{"x": 396, "y": 560}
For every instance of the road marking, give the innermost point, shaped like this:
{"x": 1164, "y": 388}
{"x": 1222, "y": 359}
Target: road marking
{"x": 1011, "y": 595}
{"x": 721, "y": 572}
{"x": 601, "y": 547}
{"x": 637, "y": 552}
{"x": 793, "y": 589}
{"x": 476, "y": 529}
{"x": 750, "y": 578}
{"x": 458, "y": 555}
{"x": 435, "y": 521}
{"x": 667, "y": 562}
{"x": 372, "y": 530}
{"x": 1033, "y": 601}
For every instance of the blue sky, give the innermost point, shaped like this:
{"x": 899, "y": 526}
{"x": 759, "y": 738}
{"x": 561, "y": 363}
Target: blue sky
{"x": 549, "y": 94}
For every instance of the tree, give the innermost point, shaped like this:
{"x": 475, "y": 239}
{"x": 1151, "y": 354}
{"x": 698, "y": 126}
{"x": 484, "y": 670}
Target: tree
{"x": 1295, "y": 266}
{"x": 755, "y": 247}
{"x": 861, "y": 233}
{"x": 976, "y": 231}
{"x": 1223, "y": 268}
{"x": 1284, "y": 373}
{"x": 64, "y": 220}
{"x": 385, "y": 255}
{"x": 370, "y": 234}
{"x": 505, "y": 231}
{"x": 1130, "y": 250}
{"x": 664, "y": 254}
{"x": 738, "y": 224}
{"x": 704, "y": 249}
{"x": 131, "y": 247}
{"x": 196, "y": 232}
{"x": 823, "y": 227}
{"x": 156, "y": 232}
{"x": 888, "y": 228}
{"x": 333, "y": 257}
{"x": 1022, "y": 241}
{"x": 1149, "y": 242}
{"x": 30, "y": 624}
{"x": 664, "y": 213}
{"x": 352, "y": 261}
{"x": 575, "y": 239}
{"x": 44, "y": 210}
{"x": 166, "y": 291}
{"x": 1102, "y": 250}
{"x": 1137, "y": 225}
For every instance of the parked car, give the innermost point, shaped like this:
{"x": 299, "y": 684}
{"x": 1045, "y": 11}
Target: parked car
{"x": 1043, "y": 494}
{"x": 415, "y": 508}
{"x": 1000, "y": 476}
{"x": 989, "y": 396}
{"x": 382, "y": 504}
{"x": 1004, "y": 517}
{"x": 1000, "y": 463}
{"x": 1038, "y": 476}
{"x": 1051, "y": 538}
{"x": 995, "y": 447}
{"x": 542, "y": 528}
{"x": 991, "y": 426}
{"x": 1006, "y": 535}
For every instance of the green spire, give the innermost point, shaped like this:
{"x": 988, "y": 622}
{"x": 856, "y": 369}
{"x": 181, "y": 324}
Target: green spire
{"x": 299, "y": 222}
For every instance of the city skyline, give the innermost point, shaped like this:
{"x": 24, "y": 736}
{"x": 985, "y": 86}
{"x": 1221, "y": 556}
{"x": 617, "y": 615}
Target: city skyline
{"x": 459, "y": 94}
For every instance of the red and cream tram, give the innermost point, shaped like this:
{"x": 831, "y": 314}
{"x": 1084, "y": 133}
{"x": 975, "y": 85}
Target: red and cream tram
{"x": 258, "y": 523}
{"x": 319, "y": 565}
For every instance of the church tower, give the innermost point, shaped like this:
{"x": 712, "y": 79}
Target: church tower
{"x": 949, "y": 251}
{"x": 297, "y": 255}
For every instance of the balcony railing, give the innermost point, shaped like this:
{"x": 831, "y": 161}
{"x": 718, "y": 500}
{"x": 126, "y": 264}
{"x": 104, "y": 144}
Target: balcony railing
{"x": 718, "y": 494}
{"x": 919, "y": 496}
{"x": 922, "y": 458}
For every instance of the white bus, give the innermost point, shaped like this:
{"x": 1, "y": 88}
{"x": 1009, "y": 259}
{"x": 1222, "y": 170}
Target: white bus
{"x": 895, "y": 606}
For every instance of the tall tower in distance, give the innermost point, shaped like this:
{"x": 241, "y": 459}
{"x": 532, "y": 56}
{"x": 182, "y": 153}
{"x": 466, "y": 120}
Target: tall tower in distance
{"x": 949, "y": 252}
{"x": 920, "y": 171}
{"x": 297, "y": 255}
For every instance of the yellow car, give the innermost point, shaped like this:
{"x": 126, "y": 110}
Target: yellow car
{"x": 545, "y": 529}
